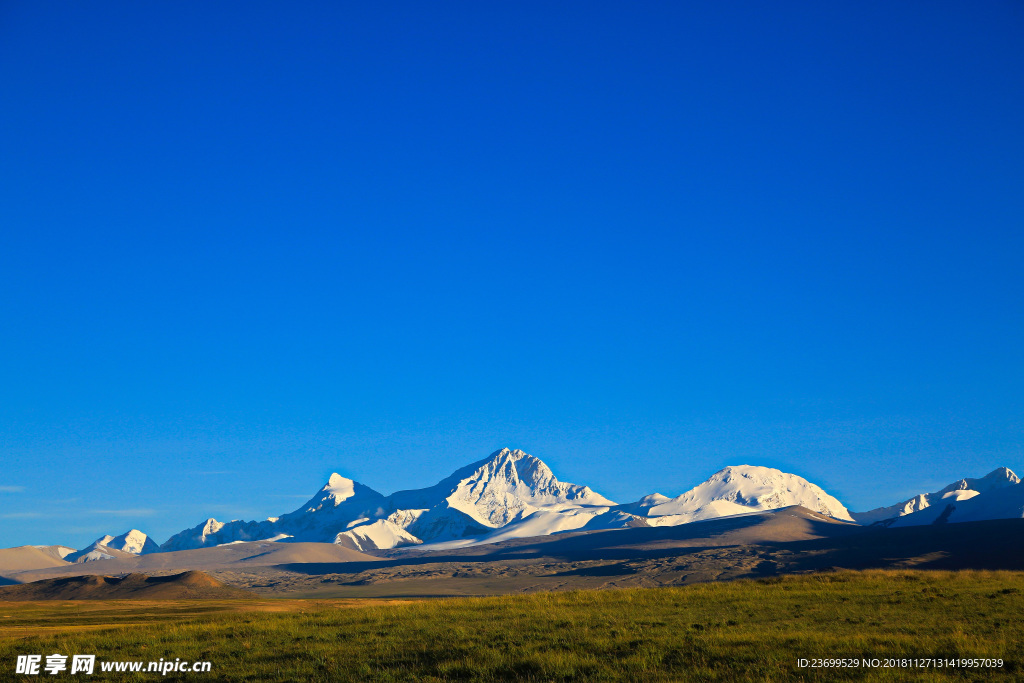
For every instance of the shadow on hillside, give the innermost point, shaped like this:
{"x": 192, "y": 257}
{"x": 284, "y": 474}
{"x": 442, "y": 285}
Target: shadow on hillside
{"x": 994, "y": 544}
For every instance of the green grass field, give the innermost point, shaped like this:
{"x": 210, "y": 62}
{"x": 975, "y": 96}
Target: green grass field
{"x": 739, "y": 631}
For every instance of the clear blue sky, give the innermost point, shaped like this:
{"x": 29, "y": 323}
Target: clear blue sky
{"x": 244, "y": 245}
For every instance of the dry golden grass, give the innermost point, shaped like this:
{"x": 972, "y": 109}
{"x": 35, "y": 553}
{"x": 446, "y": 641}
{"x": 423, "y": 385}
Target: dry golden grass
{"x": 737, "y": 631}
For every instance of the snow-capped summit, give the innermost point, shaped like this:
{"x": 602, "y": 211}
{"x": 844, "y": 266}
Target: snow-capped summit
{"x": 339, "y": 502}
{"x": 507, "y": 485}
{"x": 338, "y": 490}
{"x": 211, "y": 532}
{"x": 959, "y": 490}
{"x": 642, "y": 506}
{"x": 741, "y": 489}
{"x": 998, "y": 478}
{"x": 334, "y": 507}
{"x": 131, "y": 542}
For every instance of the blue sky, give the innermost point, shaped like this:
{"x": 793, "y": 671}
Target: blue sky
{"x": 244, "y": 245}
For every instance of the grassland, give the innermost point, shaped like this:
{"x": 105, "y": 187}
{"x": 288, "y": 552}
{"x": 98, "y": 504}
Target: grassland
{"x": 736, "y": 631}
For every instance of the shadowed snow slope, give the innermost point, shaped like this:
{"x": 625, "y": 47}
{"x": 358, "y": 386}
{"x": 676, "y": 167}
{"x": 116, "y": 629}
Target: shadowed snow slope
{"x": 785, "y": 525}
{"x": 960, "y": 490}
{"x": 1005, "y": 502}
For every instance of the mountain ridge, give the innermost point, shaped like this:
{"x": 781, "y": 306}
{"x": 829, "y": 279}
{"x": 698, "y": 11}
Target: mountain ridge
{"x": 511, "y": 494}
{"x": 508, "y": 494}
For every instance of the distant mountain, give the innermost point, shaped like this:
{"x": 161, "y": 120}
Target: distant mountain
{"x": 996, "y": 502}
{"x": 340, "y": 502}
{"x": 960, "y": 490}
{"x": 738, "y": 490}
{"x": 56, "y": 551}
{"x": 504, "y": 487}
{"x": 212, "y": 533}
{"x": 28, "y": 557}
{"x": 131, "y": 542}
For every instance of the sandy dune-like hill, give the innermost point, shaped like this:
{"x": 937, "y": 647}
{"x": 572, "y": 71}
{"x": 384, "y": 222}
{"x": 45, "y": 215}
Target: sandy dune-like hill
{"x": 231, "y": 556}
{"x": 189, "y": 585}
{"x": 28, "y": 557}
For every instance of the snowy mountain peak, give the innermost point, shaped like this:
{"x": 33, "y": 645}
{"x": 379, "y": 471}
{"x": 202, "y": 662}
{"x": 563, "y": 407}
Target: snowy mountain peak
{"x": 527, "y": 470}
{"x": 339, "y": 488}
{"x": 211, "y": 532}
{"x": 212, "y": 526}
{"x": 997, "y": 478}
{"x": 754, "y": 488}
{"x": 1003, "y": 473}
{"x": 510, "y": 484}
{"x": 507, "y": 485}
{"x": 132, "y": 541}
{"x": 654, "y": 499}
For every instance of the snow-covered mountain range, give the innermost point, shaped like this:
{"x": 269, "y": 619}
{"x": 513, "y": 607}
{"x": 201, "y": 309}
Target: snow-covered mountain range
{"x": 997, "y": 495}
{"x": 511, "y": 494}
